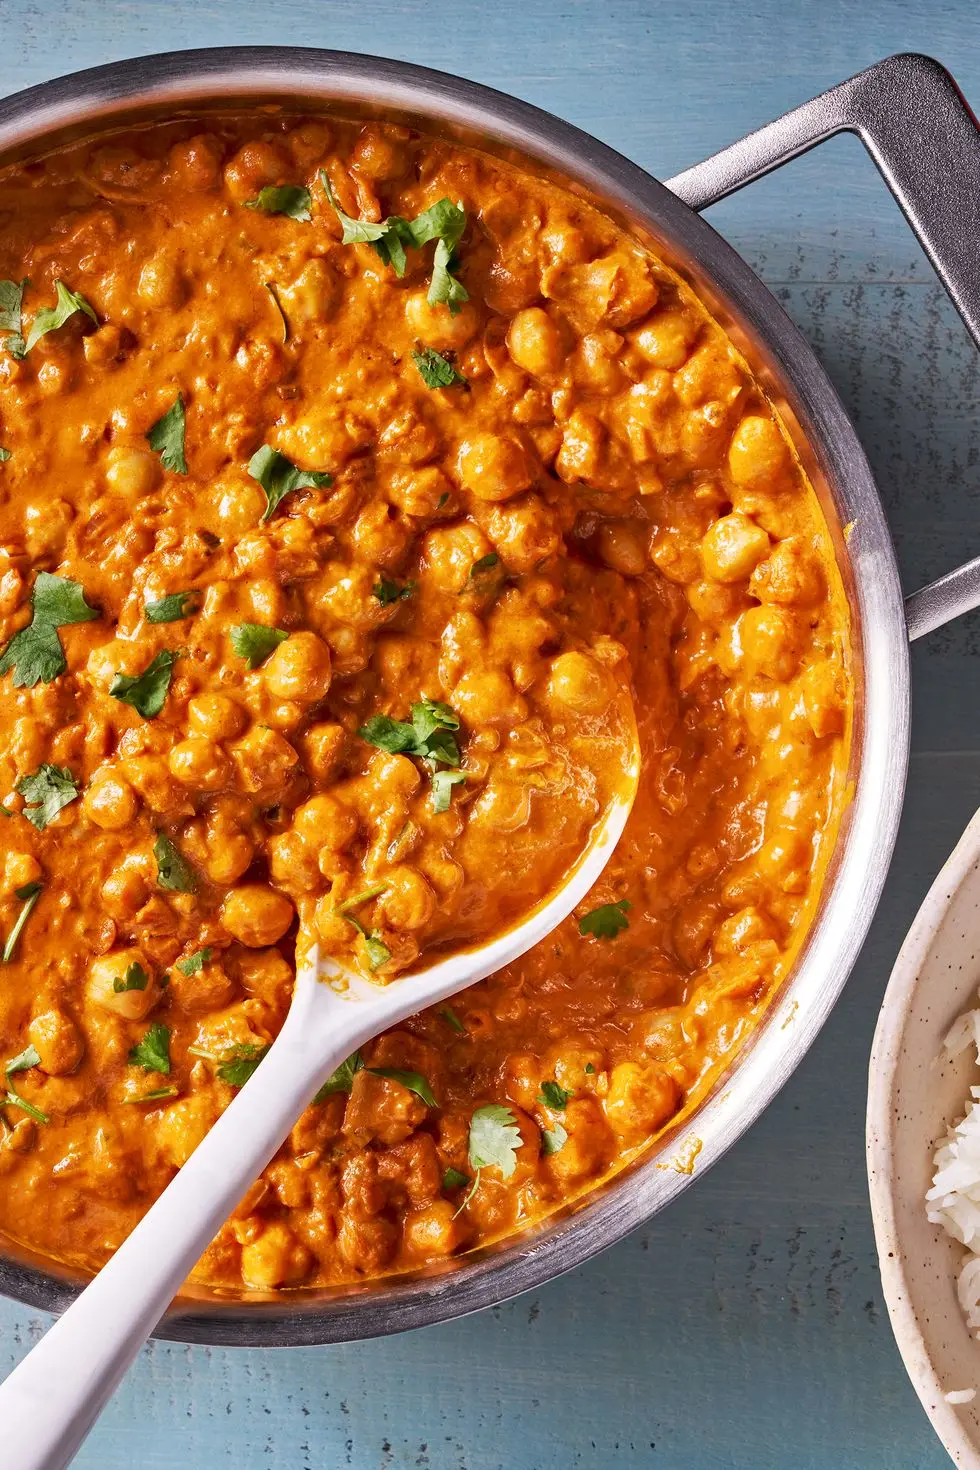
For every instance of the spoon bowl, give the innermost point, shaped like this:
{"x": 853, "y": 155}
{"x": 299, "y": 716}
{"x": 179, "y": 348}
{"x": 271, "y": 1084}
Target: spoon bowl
{"x": 50, "y": 1401}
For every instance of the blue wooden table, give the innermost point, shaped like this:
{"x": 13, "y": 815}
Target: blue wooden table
{"x": 744, "y": 1329}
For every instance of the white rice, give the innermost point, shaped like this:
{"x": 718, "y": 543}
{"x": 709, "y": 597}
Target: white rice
{"x": 954, "y": 1199}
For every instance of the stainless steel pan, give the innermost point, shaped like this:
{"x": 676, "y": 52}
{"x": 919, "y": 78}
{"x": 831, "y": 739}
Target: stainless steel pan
{"x": 918, "y": 129}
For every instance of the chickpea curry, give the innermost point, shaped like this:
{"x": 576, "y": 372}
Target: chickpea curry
{"x": 348, "y": 479}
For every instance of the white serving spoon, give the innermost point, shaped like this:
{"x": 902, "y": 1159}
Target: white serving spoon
{"x": 50, "y": 1401}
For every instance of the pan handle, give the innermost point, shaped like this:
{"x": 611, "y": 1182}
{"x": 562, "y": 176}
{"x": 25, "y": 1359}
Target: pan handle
{"x": 919, "y": 129}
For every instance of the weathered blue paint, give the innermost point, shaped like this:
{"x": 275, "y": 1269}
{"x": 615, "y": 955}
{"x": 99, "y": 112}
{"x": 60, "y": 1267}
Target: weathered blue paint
{"x": 744, "y": 1330}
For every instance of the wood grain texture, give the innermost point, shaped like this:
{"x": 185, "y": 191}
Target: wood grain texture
{"x": 744, "y": 1329}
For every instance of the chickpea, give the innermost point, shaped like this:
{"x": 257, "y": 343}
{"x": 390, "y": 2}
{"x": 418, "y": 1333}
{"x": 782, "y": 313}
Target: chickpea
{"x": 46, "y": 527}
{"x": 488, "y": 697}
{"x": 420, "y": 491}
{"x": 323, "y": 821}
{"x": 199, "y": 763}
{"x": 215, "y": 717}
{"x": 366, "y": 1245}
{"x": 299, "y": 669}
{"x": 256, "y": 915}
{"x": 196, "y": 163}
{"x": 409, "y": 902}
{"x": 58, "y": 1042}
{"x": 292, "y": 864}
{"x": 769, "y": 638}
{"x": 132, "y": 473}
{"x": 449, "y": 554}
{"x": 665, "y": 339}
{"x": 623, "y": 546}
{"x": 493, "y": 467}
{"x": 588, "y": 1145}
{"x": 105, "y": 973}
{"x": 313, "y": 296}
{"x": 789, "y": 575}
{"x": 758, "y": 457}
{"x": 161, "y": 284}
{"x": 732, "y": 548}
{"x": 19, "y": 869}
{"x": 266, "y": 601}
{"x": 748, "y": 926}
{"x": 377, "y": 155}
{"x": 640, "y": 1098}
{"x": 253, "y": 167}
{"x": 241, "y": 504}
{"x": 534, "y": 343}
{"x": 580, "y": 455}
{"x": 435, "y": 325}
{"x": 324, "y": 746}
{"x": 124, "y": 892}
{"x": 579, "y": 682}
{"x": 434, "y": 1230}
{"x": 110, "y": 802}
{"x": 525, "y": 531}
{"x": 229, "y": 850}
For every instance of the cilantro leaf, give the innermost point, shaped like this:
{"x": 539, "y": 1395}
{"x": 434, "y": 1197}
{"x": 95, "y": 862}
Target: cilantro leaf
{"x": 450, "y": 1017}
{"x": 414, "y": 1081}
{"x": 11, "y": 305}
{"x": 608, "y": 920}
{"x": 135, "y": 978}
{"x": 394, "y": 736}
{"x": 342, "y": 1080}
{"x": 436, "y": 371}
{"x": 4, "y": 454}
{"x": 553, "y": 1140}
{"x": 153, "y": 1052}
{"x": 29, "y": 1057}
{"x": 195, "y": 962}
{"x": 291, "y": 199}
{"x": 494, "y": 1139}
{"x": 146, "y": 692}
{"x": 157, "y": 1095}
{"x": 29, "y": 895}
{"x": 172, "y": 608}
{"x": 166, "y": 437}
{"x": 255, "y": 641}
{"x": 50, "y": 318}
{"x": 47, "y": 792}
{"x": 442, "y": 788}
{"x": 429, "y": 715}
{"x": 240, "y": 1063}
{"x": 14, "y": 1100}
{"x": 388, "y": 238}
{"x": 388, "y": 592}
{"x": 378, "y": 953}
{"x": 454, "y": 1179}
{"x": 279, "y": 477}
{"x": 553, "y": 1096}
{"x": 174, "y": 872}
{"x": 35, "y": 653}
{"x": 443, "y": 222}
{"x": 478, "y": 570}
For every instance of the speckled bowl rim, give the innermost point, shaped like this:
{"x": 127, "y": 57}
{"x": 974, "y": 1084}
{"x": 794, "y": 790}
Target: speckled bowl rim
{"x": 880, "y": 1143}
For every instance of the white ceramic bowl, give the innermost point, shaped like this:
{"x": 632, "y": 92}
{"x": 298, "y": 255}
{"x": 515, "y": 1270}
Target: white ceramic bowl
{"x": 915, "y": 1091}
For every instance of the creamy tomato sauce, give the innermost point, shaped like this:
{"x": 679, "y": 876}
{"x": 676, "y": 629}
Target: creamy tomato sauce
{"x": 348, "y": 478}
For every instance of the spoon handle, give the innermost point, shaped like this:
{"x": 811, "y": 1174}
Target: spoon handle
{"x": 50, "y": 1401}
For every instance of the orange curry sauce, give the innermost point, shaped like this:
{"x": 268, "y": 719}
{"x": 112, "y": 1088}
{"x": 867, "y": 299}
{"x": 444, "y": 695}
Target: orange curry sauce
{"x": 321, "y": 563}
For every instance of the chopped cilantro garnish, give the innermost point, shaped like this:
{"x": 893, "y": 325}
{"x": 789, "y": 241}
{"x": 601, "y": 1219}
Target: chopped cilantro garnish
{"x": 29, "y": 1057}
{"x": 429, "y": 736}
{"x": 435, "y": 370}
{"x": 553, "y": 1140}
{"x": 166, "y": 437}
{"x": 254, "y": 642}
{"x": 4, "y": 454}
{"x": 450, "y": 1017}
{"x": 279, "y": 477}
{"x": 454, "y": 1179}
{"x": 172, "y": 608}
{"x": 553, "y": 1096}
{"x": 159, "y": 1094}
{"x": 388, "y": 592}
{"x": 28, "y": 895}
{"x": 50, "y": 318}
{"x": 195, "y": 963}
{"x": 605, "y": 922}
{"x": 342, "y": 1080}
{"x": 153, "y": 1052}
{"x": 414, "y": 1081}
{"x": 442, "y": 788}
{"x": 494, "y": 1139}
{"x": 174, "y": 872}
{"x": 135, "y": 978}
{"x": 291, "y": 199}
{"x": 35, "y": 653}
{"x": 239, "y": 1064}
{"x": 146, "y": 692}
{"x": 47, "y": 792}
{"x": 11, "y": 316}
